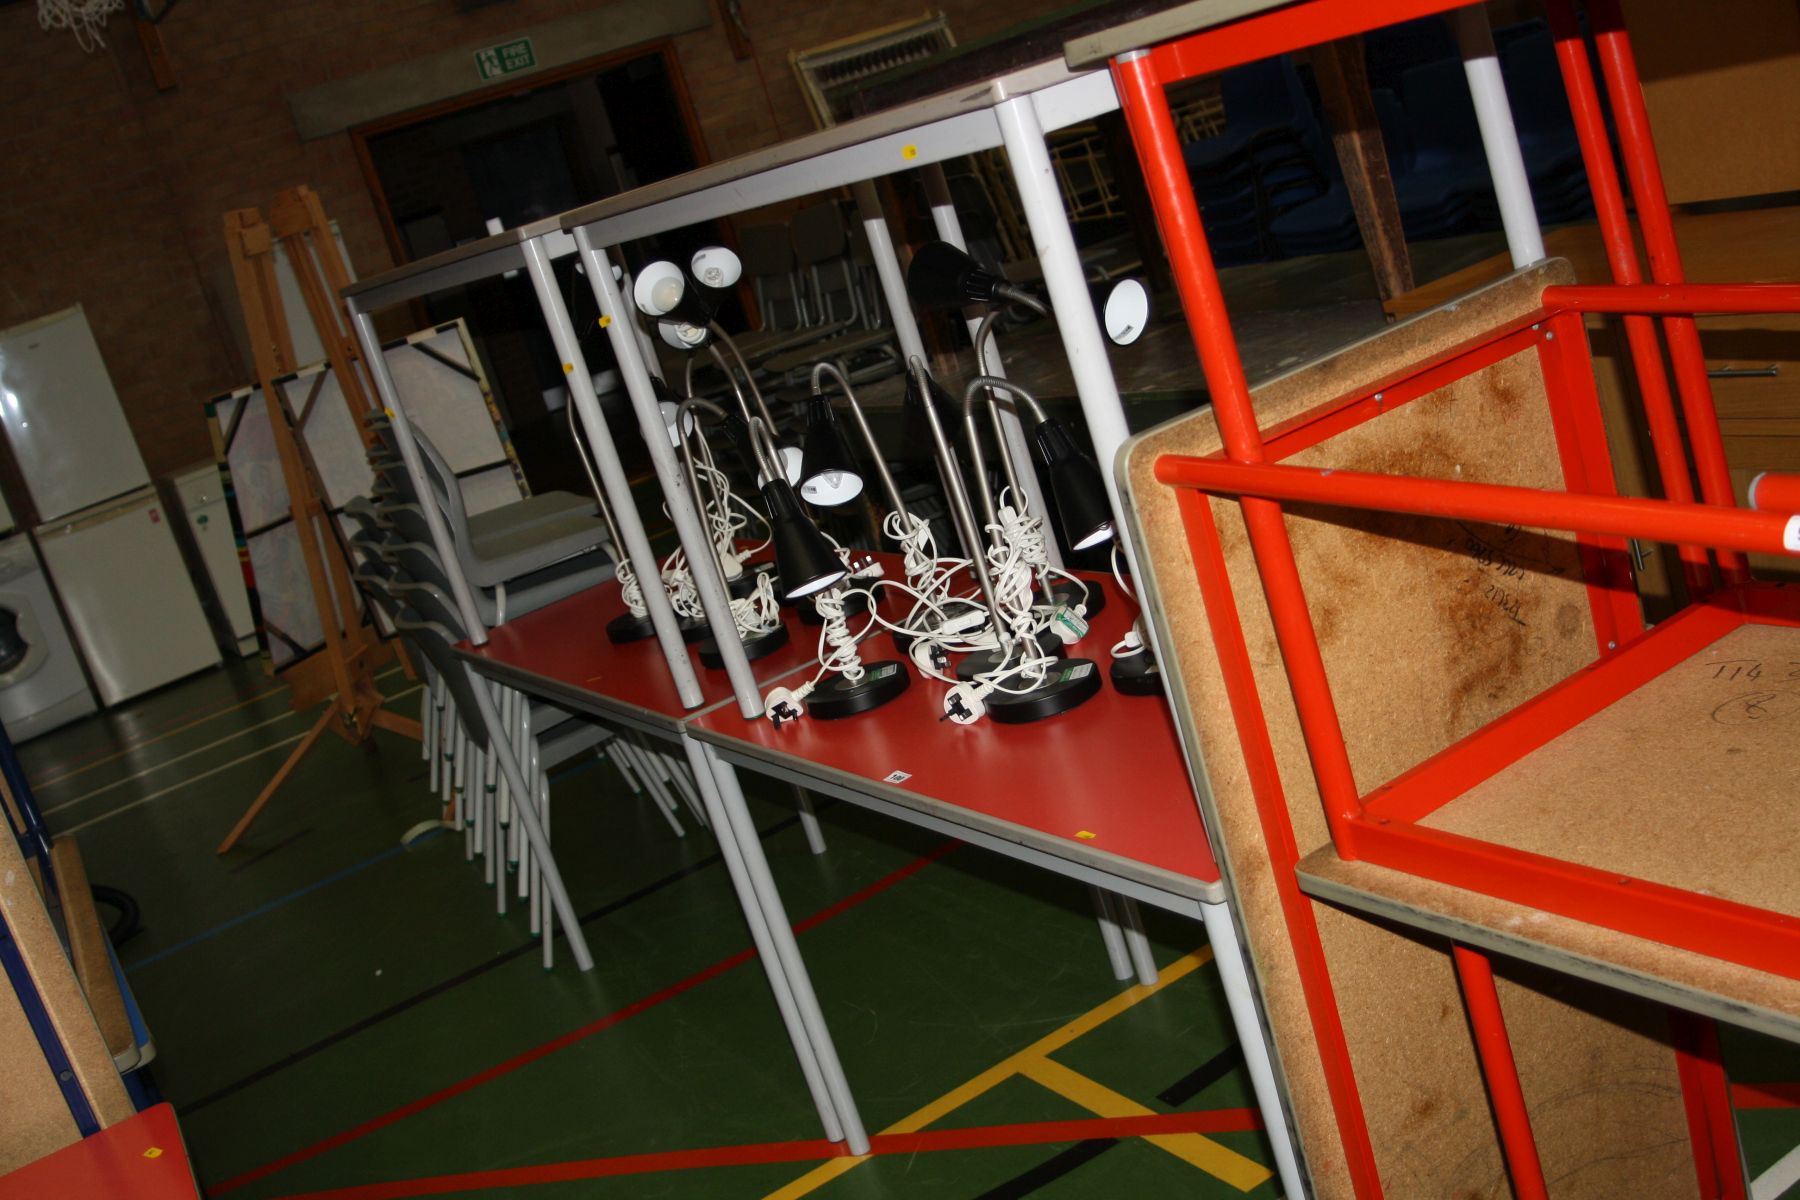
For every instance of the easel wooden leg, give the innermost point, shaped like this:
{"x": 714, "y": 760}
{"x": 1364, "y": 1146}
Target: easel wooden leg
{"x": 287, "y": 768}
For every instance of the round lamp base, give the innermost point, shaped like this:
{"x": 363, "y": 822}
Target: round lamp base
{"x": 1069, "y": 684}
{"x": 837, "y": 697}
{"x": 747, "y": 581}
{"x": 1070, "y": 594}
{"x": 983, "y": 661}
{"x": 1137, "y": 674}
{"x": 756, "y": 645}
{"x": 694, "y": 629}
{"x": 628, "y": 628}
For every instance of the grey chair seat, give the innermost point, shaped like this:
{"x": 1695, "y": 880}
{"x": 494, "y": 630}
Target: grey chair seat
{"x": 503, "y": 557}
{"x": 545, "y": 506}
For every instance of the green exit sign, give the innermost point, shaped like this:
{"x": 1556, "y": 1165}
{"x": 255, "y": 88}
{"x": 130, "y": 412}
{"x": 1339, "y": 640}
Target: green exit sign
{"x": 505, "y": 59}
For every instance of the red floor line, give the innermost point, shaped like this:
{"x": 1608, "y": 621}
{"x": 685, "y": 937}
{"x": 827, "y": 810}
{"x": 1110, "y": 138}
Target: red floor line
{"x": 981, "y": 1137}
{"x": 1765, "y": 1095}
{"x": 568, "y": 1039}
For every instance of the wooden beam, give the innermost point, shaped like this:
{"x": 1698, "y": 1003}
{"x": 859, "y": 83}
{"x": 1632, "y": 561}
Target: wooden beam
{"x": 1343, "y": 77}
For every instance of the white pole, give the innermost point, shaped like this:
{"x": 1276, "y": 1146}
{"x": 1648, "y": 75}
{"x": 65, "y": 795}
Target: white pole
{"x": 1240, "y": 998}
{"x": 1512, "y": 187}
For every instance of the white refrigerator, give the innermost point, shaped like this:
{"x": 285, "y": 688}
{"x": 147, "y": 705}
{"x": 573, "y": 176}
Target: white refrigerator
{"x": 103, "y": 535}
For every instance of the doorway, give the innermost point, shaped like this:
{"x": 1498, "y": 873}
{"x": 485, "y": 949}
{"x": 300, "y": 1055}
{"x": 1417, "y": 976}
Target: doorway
{"x": 454, "y": 173}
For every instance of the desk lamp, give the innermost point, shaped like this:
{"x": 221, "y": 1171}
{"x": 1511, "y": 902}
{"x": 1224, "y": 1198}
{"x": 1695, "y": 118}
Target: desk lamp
{"x": 943, "y": 277}
{"x": 756, "y": 616}
{"x": 634, "y": 624}
{"x": 1023, "y": 684}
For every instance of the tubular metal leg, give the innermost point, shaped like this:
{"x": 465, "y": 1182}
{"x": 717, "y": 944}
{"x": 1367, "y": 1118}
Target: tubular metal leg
{"x": 1246, "y": 1019}
{"x": 809, "y": 821}
{"x": 1136, "y": 943}
{"x": 1110, "y": 935}
{"x": 1510, "y": 1114}
{"x": 559, "y": 896}
{"x": 787, "y": 950}
{"x": 798, "y": 1033}
{"x": 1499, "y": 137}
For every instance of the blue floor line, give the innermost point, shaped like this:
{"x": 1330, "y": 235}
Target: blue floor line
{"x": 276, "y": 903}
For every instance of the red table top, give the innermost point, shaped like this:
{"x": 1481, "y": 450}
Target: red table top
{"x": 143, "y": 1158}
{"x": 563, "y": 648}
{"x": 1105, "y": 779}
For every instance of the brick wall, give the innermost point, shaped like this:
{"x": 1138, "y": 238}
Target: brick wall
{"x": 114, "y": 192}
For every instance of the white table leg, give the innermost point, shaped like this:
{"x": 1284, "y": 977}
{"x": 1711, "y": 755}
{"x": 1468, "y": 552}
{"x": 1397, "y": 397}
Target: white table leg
{"x": 1246, "y": 1018}
{"x": 797, "y": 1031}
{"x": 1110, "y": 935}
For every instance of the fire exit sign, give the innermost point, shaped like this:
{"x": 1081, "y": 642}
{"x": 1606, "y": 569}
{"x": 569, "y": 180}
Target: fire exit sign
{"x": 505, "y": 59}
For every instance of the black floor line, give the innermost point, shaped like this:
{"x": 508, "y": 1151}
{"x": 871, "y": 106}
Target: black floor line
{"x": 1202, "y": 1077}
{"x": 1050, "y": 1170}
{"x": 1082, "y": 1153}
{"x": 475, "y": 972}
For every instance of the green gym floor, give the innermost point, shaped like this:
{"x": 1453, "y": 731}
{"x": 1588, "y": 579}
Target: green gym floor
{"x": 335, "y": 1015}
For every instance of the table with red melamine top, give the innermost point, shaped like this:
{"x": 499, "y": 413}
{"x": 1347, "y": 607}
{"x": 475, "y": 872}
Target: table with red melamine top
{"x": 142, "y": 1157}
{"x": 1099, "y": 793}
{"x": 560, "y": 653}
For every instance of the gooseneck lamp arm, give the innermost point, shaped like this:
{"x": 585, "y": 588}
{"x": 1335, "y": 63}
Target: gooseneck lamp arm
{"x": 1075, "y": 487}
{"x": 683, "y": 415}
{"x": 762, "y": 407}
{"x": 587, "y": 465}
{"x": 819, "y": 373}
{"x": 975, "y": 387}
{"x": 960, "y": 510}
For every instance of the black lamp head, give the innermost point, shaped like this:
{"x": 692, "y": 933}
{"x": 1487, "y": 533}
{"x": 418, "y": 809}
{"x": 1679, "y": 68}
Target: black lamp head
{"x": 1074, "y": 485}
{"x": 948, "y": 409}
{"x": 804, "y": 560}
{"x": 828, "y": 474}
{"x": 712, "y": 272}
{"x": 941, "y": 276}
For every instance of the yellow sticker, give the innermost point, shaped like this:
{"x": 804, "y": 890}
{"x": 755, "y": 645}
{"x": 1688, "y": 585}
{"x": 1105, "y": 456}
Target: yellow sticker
{"x": 568, "y": 368}
{"x": 909, "y": 151}
{"x": 153, "y": 1152}
{"x": 1082, "y": 833}
{"x": 605, "y": 321}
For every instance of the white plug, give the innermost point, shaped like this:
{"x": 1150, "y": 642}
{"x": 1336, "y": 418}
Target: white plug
{"x": 928, "y": 656}
{"x": 973, "y": 618}
{"x": 1067, "y": 624}
{"x": 867, "y": 569}
{"x": 966, "y": 703}
{"x": 786, "y": 704}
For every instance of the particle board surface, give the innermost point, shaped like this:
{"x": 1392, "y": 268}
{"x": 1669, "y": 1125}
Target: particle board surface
{"x": 87, "y": 949}
{"x": 1428, "y": 629}
{"x": 1692, "y": 781}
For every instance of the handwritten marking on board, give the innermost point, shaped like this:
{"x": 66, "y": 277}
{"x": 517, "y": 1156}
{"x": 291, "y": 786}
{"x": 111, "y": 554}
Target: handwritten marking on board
{"x": 896, "y": 777}
{"x": 1752, "y": 707}
{"x": 1729, "y": 670}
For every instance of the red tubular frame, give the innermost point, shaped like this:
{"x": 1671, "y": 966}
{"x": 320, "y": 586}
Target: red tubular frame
{"x": 1620, "y": 516}
{"x": 1384, "y": 831}
{"x": 1476, "y": 975}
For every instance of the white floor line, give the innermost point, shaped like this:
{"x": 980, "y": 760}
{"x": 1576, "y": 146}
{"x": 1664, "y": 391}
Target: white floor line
{"x": 1781, "y": 1176}
{"x": 169, "y": 762}
{"x": 132, "y": 747}
{"x": 176, "y": 787}
{"x": 192, "y": 779}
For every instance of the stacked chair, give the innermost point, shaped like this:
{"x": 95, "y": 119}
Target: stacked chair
{"x": 515, "y": 558}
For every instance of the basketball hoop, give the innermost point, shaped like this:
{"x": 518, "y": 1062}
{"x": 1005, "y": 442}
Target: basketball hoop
{"x": 86, "y": 17}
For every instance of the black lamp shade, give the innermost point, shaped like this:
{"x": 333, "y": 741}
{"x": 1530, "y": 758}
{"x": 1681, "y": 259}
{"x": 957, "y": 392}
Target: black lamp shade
{"x": 1075, "y": 487}
{"x": 941, "y": 276}
{"x": 803, "y": 558}
{"x": 828, "y": 474}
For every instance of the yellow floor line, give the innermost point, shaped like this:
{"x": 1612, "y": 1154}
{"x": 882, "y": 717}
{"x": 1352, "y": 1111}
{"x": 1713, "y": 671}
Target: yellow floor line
{"x": 1012, "y": 1065}
{"x": 1195, "y": 1149}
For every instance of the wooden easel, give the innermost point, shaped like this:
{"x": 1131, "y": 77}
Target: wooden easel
{"x": 351, "y": 648}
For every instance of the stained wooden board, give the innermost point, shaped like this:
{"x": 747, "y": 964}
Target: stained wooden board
{"x": 1692, "y": 781}
{"x": 87, "y": 950}
{"x": 1421, "y": 649}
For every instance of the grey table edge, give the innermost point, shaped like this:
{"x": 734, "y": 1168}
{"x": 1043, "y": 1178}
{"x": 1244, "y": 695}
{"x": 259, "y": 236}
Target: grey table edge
{"x": 1168, "y": 890}
{"x": 1785, "y": 1026}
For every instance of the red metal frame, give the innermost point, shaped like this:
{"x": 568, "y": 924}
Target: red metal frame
{"x": 1381, "y": 828}
{"x": 1512, "y": 1117}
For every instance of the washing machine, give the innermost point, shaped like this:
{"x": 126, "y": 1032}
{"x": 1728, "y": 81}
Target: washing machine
{"x": 41, "y": 682}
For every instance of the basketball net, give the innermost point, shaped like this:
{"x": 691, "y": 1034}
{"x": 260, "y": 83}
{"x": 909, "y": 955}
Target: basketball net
{"x": 86, "y": 17}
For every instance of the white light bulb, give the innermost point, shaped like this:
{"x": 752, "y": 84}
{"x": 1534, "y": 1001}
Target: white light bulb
{"x": 666, "y": 293}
